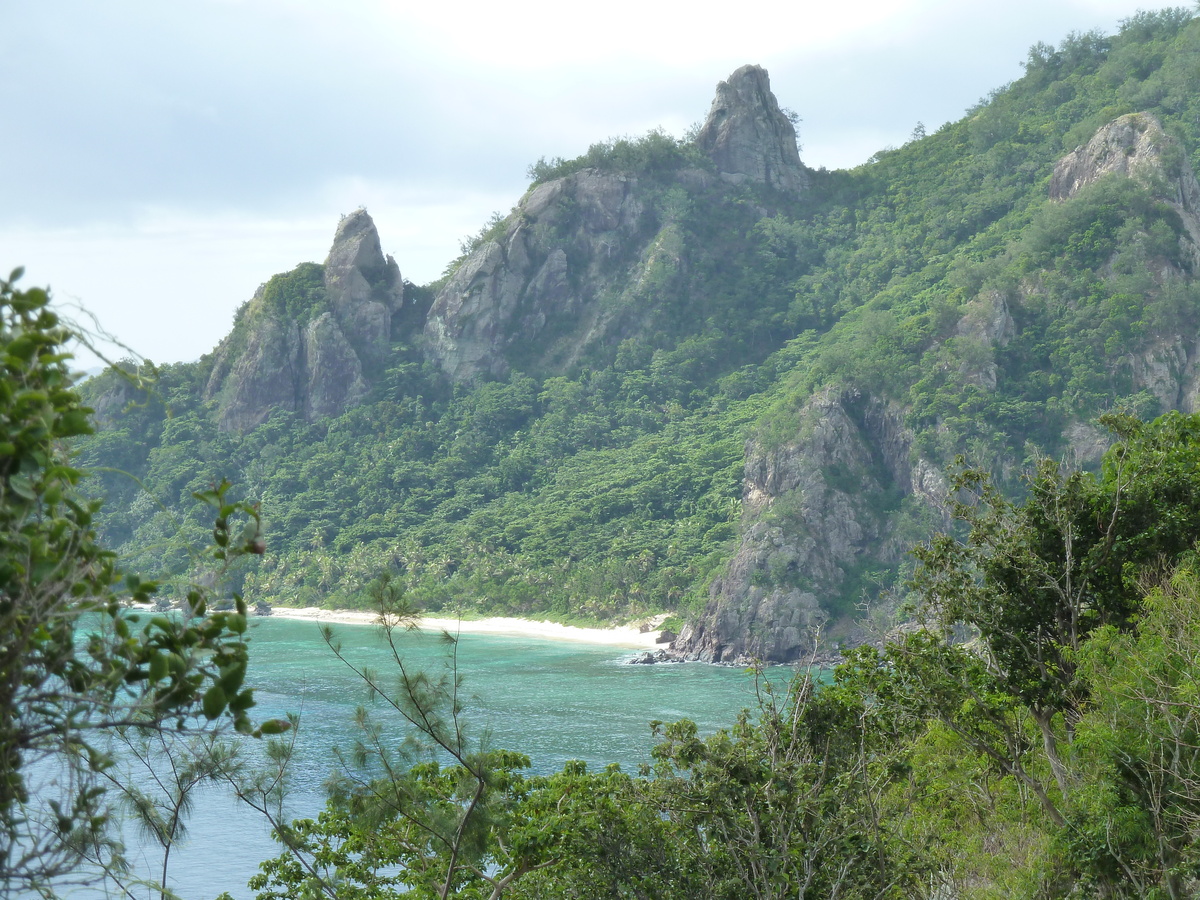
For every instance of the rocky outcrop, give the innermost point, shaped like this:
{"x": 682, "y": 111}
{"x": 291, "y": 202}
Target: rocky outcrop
{"x": 541, "y": 276}
{"x": 365, "y": 289}
{"x": 748, "y": 137}
{"x": 583, "y": 256}
{"x": 816, "y": 512}
{"x": 1136, "y": 146}
{"x": 332, "y": 370}
{"x": 111, "y": 393}
{"x": 249, "y": 382}
{"x": 986, "y": 324}
{"x": 315, "y": 356}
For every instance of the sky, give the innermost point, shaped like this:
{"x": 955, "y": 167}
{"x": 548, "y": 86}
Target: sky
{"x": 160, "y": 160}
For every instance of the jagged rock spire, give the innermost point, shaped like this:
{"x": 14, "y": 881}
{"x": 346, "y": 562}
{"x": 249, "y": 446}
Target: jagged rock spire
{"x": 365, "y": 287}
{"x": 319, "y": 360}
{"x": 356, "y": 243}
{"x": 747, "y": 135}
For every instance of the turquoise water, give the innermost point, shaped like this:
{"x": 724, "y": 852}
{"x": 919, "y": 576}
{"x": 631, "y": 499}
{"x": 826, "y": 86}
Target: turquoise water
{"x": 552, "y": 700}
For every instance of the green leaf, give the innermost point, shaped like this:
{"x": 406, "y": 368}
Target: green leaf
{"x": 214, "y": 701}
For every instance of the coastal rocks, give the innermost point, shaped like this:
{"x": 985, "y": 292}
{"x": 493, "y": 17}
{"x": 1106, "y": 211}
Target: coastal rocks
{"x": 650, "y": 658}
{"x": 817, "y": 514}
{"x": 309, "y": 339}
{"x": 747, "y": 135}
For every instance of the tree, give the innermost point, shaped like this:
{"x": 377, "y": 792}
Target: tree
{"x": 1034, "y": 580}
{"x": 158, "y": 789}
{"x": 787, "y": 803}
{"x": 75, "y": 666}
{"x": 1136, "y": 824}
{"x": 435, "y": 813}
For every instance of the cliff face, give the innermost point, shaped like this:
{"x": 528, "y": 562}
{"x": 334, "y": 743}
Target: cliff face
{"x": 1135, "y": 146}
{"x": 818, "y": 513}
{"x": 541, "y": 277}
{"x": 308, "y": 341}
{"x": 364, "y": 287}
{"x": 822, "y": 507}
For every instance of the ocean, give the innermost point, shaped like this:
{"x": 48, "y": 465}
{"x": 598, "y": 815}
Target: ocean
{"x": 551, "y": 700}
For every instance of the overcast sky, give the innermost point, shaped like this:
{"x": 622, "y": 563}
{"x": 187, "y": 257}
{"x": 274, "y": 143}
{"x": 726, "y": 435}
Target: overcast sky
{"x": 160, "y": 160}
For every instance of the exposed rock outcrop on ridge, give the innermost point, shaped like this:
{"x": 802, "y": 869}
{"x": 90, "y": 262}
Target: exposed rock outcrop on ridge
{"x": 816, "y": 514}
{"x": 534, "y": 290}
{"x": 541, "y": 275}
{"x": 365, "y": 288}
{"x": 317, "y": 360}
{"x": 1136, "y": 145}
{"x": 747, "y": 135}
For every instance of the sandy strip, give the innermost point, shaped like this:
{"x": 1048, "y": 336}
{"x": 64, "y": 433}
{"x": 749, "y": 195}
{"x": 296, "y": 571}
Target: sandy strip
{"x": 616, "y": 637}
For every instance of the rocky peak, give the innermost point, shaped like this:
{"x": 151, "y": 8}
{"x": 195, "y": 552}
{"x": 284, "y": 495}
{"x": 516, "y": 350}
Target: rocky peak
{"x": 318, "y": 359}
{"x": 356, "y": 244}
{"x": 365, "y": 288}
{"x": 747, "y": 135}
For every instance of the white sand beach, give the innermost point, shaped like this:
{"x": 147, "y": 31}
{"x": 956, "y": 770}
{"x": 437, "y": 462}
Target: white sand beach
{"x": 625, "y": 636}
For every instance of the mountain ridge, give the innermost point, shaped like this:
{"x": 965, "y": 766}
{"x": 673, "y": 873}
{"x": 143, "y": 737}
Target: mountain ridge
{"x": 654, "y": 386}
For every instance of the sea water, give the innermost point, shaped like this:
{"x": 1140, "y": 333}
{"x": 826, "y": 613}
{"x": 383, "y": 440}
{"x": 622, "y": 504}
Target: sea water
{"x": 551, "y": 700}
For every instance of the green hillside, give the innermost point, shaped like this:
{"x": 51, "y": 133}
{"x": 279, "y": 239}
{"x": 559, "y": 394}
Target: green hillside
{"x": 709, "y": 394}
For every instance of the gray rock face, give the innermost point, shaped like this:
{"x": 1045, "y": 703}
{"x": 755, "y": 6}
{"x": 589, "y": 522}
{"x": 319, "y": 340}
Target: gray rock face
{"x": 265, "y": 374}
{"x": 365, "y": 288}
{"x": 334, "y": 372}
{"x": 747, "y": 136}
{"x": 509, "y": 293}
{"x": 317, "y": 367}
{"x": 546, "y": 289}
{"x": 986, "y": 324}
{"x": 1135, "y": 145}
{"x": 1130, "y": 145}
{"x": 814, "y": 508}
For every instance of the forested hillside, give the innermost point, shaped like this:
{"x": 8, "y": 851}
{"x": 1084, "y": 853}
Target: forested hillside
{"x": 693, "y": 375}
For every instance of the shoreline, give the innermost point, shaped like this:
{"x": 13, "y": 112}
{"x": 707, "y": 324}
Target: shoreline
{"x": 620, "y": 636}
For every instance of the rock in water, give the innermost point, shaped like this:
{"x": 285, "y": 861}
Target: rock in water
{"x": 816, "y": 508}
{"x": 747, "y": 135}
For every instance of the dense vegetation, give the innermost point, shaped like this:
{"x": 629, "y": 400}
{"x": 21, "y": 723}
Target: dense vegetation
{"x": 610, "y": 487}
{"x": 1052, "y": 756}
{"x": 1033, "y": 734}
{"x": 77, "y": 674}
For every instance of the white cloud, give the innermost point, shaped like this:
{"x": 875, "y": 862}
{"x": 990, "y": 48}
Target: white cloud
{"x": 161, "y": 160}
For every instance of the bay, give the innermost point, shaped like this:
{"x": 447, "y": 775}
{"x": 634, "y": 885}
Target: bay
{"x": 551, "y": 700}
